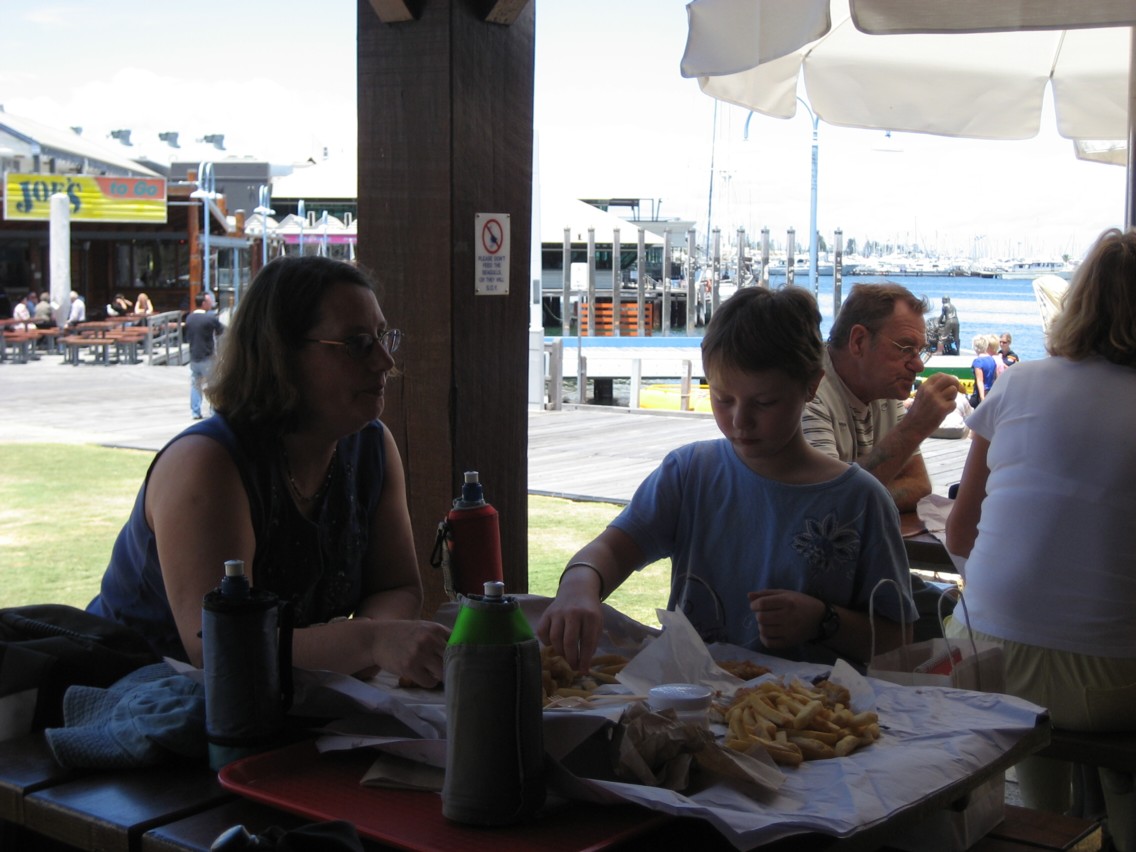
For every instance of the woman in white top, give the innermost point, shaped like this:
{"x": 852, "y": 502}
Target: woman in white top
{"x": 1045, "y": 515}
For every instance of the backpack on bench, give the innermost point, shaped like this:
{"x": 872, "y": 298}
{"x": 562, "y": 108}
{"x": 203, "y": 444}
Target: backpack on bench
{"x": 45, "y": 648}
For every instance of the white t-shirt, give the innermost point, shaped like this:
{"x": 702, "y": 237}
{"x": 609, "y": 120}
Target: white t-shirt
{"x": 1054, "y": 564}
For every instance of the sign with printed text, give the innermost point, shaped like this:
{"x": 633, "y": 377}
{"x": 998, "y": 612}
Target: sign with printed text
{"x": 91, "y": 198}
{"x": 491, "y": 254}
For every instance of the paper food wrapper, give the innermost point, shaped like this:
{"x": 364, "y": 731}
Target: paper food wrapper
{"x": 933, "y": 737}
{"x": 677, "y": 656}
{"x": 657, "y": 750}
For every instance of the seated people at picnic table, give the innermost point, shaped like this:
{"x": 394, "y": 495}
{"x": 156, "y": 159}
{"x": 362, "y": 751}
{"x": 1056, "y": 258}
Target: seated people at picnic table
{"x": 21, "y": 313}
{"x": 77, "y": 313}
{"x": 858, "y": 415}
{"x": 44, "y": 311}
{"x": 1044, "y": 518}
{"x": 774, "y": 545}
{"x": 143, "y": 307}
{"x": 295, "y": 475}
{"x": 120, "y": 307}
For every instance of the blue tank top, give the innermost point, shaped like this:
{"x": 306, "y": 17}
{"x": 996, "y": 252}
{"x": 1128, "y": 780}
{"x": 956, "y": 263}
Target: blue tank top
{"x": 316, "y": 565}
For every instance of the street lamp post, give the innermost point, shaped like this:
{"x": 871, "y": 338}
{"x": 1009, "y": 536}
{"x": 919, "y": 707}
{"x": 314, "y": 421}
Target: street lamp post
{"x": 265, "y": 211}
{"x": 206, "y": 191}
{"x": 813, "y": 205}
{"x": 812, "y": 196}
{"x": 302, "y": 214}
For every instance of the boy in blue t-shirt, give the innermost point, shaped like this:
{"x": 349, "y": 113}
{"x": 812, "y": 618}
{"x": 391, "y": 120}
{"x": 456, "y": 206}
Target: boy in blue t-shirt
{"x": 774, "y": 545}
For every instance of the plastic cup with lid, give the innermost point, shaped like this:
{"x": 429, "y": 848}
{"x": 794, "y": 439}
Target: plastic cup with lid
{"x": 690, "y": 701}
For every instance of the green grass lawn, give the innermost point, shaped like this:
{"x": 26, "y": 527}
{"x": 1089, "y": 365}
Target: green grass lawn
{"x": 61, "y": 507}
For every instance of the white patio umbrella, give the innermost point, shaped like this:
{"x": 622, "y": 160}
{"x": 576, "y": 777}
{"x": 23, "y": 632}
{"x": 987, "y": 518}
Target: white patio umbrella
{"x": 968, "y": 68}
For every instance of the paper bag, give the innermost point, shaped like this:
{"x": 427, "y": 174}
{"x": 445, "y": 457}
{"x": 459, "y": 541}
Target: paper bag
{"x": 960, "y": 826}
{"x": 971, "y": 664}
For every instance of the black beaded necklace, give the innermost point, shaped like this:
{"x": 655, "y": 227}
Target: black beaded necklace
{"x": 299, "y": 495}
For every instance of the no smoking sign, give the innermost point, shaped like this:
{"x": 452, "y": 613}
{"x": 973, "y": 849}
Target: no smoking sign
{"x": 491, "y": 262}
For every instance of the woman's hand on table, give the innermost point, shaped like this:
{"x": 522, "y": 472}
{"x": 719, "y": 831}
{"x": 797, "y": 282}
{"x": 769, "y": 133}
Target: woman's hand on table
{"x": 412, "y": 649}
{"x": 572, "y": 624}
{"x": 785, "y": 618}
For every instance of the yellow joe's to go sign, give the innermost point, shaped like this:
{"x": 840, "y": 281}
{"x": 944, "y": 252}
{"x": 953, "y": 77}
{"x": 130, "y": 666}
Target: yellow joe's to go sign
{"x": 91, "y": 198}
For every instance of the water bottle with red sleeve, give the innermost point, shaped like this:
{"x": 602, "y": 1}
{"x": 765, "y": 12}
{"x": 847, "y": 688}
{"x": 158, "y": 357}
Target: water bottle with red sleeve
{"x": 468, "y": 546}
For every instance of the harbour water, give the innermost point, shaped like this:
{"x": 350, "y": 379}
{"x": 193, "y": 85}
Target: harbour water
{"x": 984, "y": 306}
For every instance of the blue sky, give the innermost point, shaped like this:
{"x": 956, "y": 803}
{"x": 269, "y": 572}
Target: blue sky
{"x": 613, "y": 115}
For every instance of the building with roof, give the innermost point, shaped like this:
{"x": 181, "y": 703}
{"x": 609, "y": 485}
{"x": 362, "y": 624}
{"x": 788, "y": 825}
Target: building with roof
{"x": 132, "y": 229}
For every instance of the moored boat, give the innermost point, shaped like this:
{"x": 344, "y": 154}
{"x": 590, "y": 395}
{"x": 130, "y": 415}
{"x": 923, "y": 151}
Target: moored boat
{"x": 1030, "y": 269}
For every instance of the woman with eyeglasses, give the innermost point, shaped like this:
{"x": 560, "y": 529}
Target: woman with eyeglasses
{"x": 294, "y": 474}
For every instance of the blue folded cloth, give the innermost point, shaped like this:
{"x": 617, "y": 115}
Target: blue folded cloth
{"x": 151, "y": 716}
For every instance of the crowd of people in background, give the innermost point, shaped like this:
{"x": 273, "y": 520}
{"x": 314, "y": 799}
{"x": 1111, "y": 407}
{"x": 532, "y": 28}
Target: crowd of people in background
{"x": 41, "y": 312}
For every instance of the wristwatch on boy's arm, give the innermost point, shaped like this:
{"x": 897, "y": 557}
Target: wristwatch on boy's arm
{"x": 829, "y": 624}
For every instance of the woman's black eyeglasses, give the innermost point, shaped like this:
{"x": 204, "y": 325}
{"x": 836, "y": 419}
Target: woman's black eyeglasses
{"x": 360, "y": 346}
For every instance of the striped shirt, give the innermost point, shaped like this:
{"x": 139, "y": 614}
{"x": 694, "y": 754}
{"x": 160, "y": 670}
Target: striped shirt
{"x": 838, "y": 424}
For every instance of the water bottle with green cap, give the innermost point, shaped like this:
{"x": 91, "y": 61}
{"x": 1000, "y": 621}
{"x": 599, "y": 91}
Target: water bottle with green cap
{"x": 494, "y": 736}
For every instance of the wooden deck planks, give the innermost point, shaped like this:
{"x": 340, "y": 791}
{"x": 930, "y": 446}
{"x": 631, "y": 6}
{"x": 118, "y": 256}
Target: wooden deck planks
{"x": 620, "y": 447}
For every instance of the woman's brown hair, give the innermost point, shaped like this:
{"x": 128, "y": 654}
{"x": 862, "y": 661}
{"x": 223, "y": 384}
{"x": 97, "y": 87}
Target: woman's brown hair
{"x": 254, "y": 382}
{"x": 1098, "y": 312}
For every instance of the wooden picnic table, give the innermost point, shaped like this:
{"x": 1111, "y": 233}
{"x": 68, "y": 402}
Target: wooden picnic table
{"x": 178, "y": 807}
{"x": 924, "y": 550}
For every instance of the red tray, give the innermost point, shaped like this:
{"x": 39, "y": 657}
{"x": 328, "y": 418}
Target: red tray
{"x": 326, "y": 786}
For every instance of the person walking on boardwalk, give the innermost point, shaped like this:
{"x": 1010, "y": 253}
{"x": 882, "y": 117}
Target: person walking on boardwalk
{"x": 202, "y": 327}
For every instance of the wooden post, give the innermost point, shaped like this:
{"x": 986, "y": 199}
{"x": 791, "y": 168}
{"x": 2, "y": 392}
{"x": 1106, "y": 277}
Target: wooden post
{"x": 445, "y": 111}
{"x": 641, "y": 275}
{"x": 616, "y": 269}
{"x": 193, "y": 238}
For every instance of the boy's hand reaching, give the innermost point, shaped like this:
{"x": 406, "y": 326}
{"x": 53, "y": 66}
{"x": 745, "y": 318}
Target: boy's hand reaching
{"x": 572, "y": 625}
{"x": 785, "y": 618}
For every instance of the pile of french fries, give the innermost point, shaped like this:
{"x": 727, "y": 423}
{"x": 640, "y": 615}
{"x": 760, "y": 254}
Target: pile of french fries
{"x": 797, "y": 722}
{"x": 560, "y": 680}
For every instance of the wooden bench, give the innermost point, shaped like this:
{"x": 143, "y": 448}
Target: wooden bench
{"x": 74, "y": 342}
{"x": 1024, "y": 829}
{"x": 126, "y": 342}
{"x": 51, "y": 335}
{"x": 1110, "y": 750}
{"x": 20, "y": 345}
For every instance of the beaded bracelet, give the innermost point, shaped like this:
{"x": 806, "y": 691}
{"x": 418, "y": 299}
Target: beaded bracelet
{"x": 572, "y": 565}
